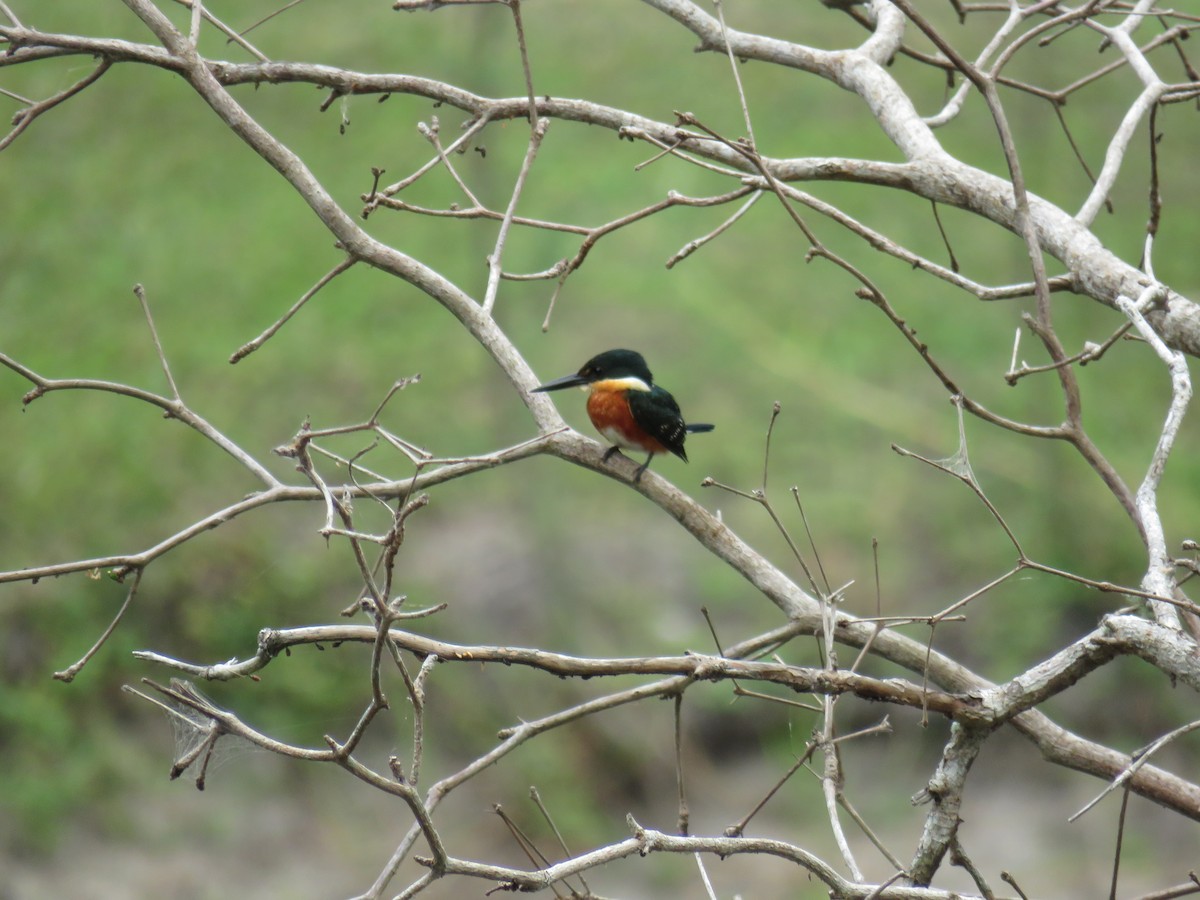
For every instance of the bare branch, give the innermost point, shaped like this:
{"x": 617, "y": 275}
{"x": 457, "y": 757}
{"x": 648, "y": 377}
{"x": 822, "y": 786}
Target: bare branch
{"x": 25, "y": 117}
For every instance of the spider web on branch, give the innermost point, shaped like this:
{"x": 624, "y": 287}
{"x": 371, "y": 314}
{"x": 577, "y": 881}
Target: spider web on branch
{"x": 199, "y": 740}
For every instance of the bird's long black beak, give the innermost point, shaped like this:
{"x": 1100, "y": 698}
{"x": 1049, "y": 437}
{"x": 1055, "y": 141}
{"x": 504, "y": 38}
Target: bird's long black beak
{"x": 559, "y": 383}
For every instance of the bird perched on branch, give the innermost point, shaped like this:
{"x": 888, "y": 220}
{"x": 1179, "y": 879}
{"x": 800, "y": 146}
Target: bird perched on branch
{"x": 628, "y": 408}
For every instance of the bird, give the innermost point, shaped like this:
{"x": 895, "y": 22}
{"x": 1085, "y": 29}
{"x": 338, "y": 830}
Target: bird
{"x": 628, "y": 408}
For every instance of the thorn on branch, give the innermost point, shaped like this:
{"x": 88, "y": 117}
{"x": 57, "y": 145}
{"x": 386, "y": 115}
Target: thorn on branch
{"x": 330, "y": 100}
{"x": 397, "y": 767}
{"x": 376, "y": 174}
{"x": 1012, "y": 883}
{"x": 118, "y": 574}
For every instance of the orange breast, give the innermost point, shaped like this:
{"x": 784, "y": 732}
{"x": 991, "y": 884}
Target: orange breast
{"x": 609, "y": 411}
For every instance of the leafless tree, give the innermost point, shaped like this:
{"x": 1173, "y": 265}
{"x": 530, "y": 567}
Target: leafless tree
{"x": 1154, "y": 621}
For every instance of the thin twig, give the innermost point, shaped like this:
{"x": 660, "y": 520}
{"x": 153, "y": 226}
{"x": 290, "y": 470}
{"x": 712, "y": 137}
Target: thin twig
{"x": 494, "y": 258}
{"x": 24, "y": 118}
{"x": 250, "y": 346}
{"x": 140, "y": 293}
{"x": 68, "y": 674}
{"x": 1138, "y": 759}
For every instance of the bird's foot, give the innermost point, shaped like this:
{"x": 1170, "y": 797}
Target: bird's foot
{"x": 637, "y": 476}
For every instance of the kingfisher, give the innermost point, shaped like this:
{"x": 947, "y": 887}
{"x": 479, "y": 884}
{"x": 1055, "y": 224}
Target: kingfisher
{"x": 628, "y": 408}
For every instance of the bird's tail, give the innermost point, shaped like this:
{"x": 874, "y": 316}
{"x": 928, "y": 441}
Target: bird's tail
{"x": 698, "y": 428}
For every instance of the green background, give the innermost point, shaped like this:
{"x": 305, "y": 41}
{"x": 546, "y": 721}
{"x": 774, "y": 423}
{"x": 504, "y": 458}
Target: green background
{"x": 135, "y": 180}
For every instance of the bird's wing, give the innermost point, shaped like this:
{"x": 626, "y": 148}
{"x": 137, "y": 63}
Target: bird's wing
{"x": 657, "y": 412}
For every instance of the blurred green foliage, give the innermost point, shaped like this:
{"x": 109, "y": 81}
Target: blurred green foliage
{"x": 136, "y": 181}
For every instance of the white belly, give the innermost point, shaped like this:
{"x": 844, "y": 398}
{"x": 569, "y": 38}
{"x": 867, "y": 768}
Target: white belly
{"x": 615, "y": 437}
